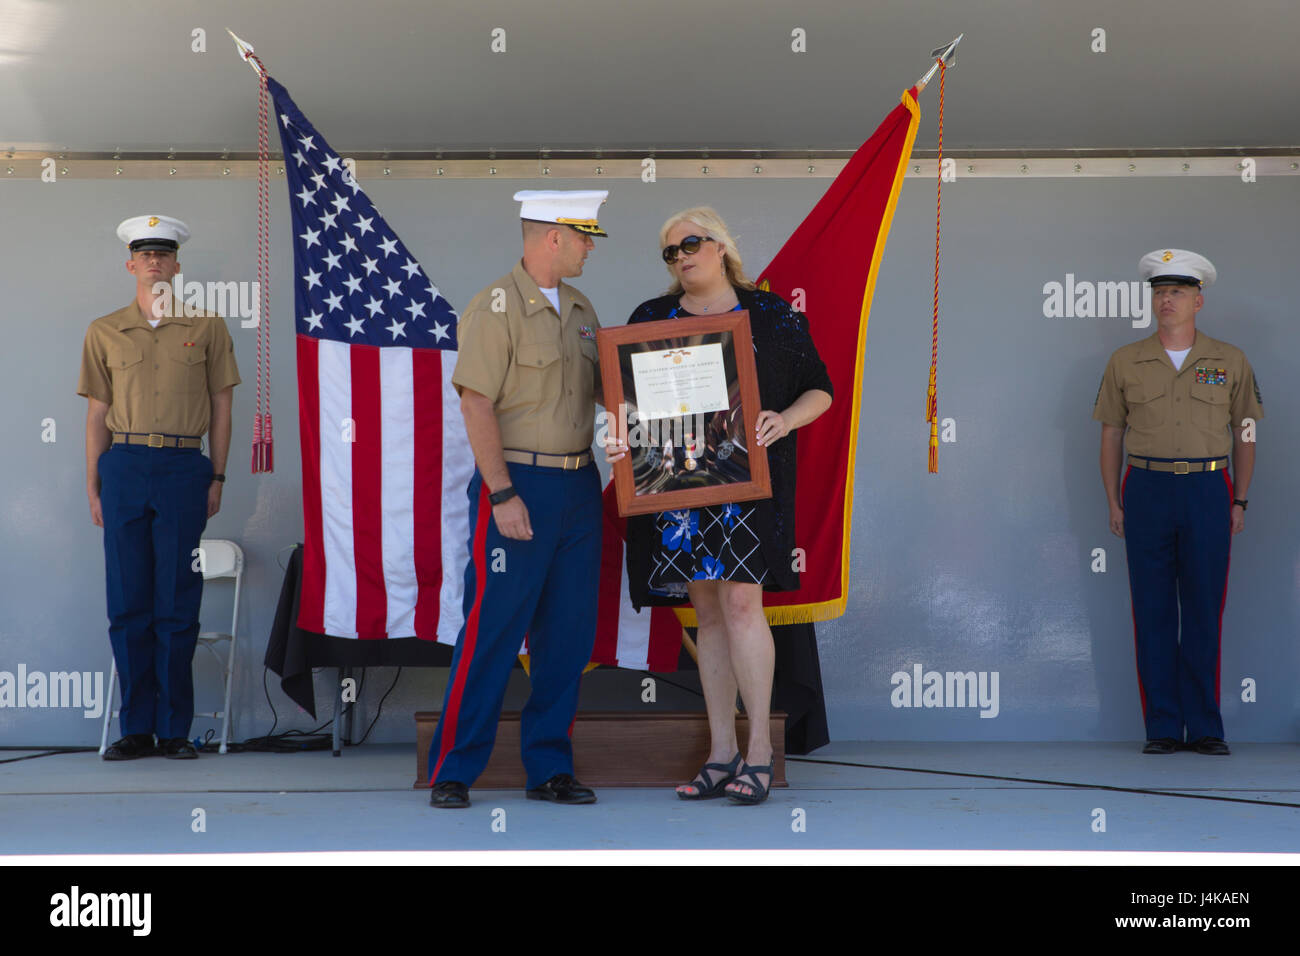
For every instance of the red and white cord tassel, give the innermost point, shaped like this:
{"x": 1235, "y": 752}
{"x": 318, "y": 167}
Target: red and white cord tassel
{"x": 263, "y": 453}
{"x": 932, "y": 395}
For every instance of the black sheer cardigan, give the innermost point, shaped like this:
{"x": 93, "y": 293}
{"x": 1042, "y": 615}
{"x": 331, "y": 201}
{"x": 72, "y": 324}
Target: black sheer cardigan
{"x": 788, "y": 365}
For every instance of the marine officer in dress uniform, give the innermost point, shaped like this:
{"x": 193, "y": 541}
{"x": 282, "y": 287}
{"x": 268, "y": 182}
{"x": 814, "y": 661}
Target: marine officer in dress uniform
{"x": 1188, "y": 403}
{"x": 156, "y": 381}
{"x": 528, "y": 378}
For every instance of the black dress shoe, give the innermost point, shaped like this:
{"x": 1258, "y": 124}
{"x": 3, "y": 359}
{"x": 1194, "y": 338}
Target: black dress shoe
{"x": 1161, "y": 745}
{"x": 130, "y": 747}
{"x": 562, "y": 788}
{"x": 449, "y": 794}
{"x": 1214, "y": 746}
{"x": 178, "y": 748}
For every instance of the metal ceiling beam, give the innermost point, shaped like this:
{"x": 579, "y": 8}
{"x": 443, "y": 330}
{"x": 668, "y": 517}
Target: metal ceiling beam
{"x": 1073, "y": 165}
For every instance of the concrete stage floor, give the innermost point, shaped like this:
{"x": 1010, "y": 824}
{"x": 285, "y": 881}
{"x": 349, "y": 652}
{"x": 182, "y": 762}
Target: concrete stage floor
{"x": 257, "y": 803}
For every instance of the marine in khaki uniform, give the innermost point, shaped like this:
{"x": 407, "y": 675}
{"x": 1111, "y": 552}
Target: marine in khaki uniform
{"x": 155, "y": 382}
{"x": 528, "y": 377}
{"x": 1181, "y": 404}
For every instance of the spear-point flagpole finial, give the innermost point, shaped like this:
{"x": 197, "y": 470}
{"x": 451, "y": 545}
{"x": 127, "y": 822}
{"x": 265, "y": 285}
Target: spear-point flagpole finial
{"x": 946, "y": 54}
{"x": 246, "y": 52}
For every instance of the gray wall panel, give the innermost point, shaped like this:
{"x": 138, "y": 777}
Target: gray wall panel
{"x": 984, "y": 567}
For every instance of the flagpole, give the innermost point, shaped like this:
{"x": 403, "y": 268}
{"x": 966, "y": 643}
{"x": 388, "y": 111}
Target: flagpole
{"x": 947, "y": 55}
{"x": 246, "y": 52}
{"x": 263, "y": 451}
{"x": 943, "y": 57}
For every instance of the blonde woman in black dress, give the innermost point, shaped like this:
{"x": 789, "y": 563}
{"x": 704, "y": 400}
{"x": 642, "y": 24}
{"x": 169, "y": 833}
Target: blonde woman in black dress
{"x": 722, "y": 557}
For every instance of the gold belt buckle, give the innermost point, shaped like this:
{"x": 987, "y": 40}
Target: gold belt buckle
{"x": 1182, "y": 468}
{"x": 566, "y": 462}
{"x": 156, "y": 440}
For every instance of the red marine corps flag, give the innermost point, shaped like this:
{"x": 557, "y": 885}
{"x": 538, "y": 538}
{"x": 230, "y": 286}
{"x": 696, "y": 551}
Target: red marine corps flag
{"x": 827, "y": 269}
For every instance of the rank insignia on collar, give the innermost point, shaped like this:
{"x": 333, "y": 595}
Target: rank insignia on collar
{"x": 1211, "y": 376}
{"x": 586, "y": 331}
{"x": 188, "y": 344}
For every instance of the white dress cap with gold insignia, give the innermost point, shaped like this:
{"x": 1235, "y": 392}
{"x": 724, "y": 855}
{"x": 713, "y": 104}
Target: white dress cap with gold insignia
{"x": 569, "y": 207}
{"x": 152, "y": 232}
{"x": 1176, "y": 267}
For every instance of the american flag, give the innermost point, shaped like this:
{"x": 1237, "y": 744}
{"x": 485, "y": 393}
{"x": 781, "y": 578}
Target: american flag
{"x": 385, "y": 458}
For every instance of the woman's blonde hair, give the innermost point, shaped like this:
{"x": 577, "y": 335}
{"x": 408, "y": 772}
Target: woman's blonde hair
{"x": 707, "y": 218}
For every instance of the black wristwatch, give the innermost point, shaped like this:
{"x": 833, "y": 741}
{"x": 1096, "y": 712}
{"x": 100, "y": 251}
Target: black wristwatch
{"x": 504, "y": 495}
{"x": 220, "y": 478}
{"x": 1240, "y": 501}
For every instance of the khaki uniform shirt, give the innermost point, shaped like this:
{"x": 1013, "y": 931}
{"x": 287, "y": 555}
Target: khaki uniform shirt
{"x": 157, "y": 380}
{"x": 540, "y": 369}
{"x": 1189, "y": 413}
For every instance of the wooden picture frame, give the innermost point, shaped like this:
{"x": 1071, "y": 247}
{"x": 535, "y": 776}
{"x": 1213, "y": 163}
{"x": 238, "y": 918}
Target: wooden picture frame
{"x": 699, "y": 457}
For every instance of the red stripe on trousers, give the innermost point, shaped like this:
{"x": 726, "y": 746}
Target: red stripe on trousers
{"x": 609, "y": 590}
{"x": 367, "y": 494}
{"x": 1142, "y": 693}
{"x": 1218, "y": 655}
{"x": 311, "y": 603}
{"x": 471, "y": 632}
{"x": 427, "y": 533}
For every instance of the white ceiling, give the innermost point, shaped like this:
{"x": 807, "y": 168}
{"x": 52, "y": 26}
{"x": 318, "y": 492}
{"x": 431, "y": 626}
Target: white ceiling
{"x": 650, "y": 74}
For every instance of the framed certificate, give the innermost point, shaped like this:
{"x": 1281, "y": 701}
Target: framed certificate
{"x": 684, "y": 394}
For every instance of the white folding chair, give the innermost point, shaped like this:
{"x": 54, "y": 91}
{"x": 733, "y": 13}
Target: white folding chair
{"x": 220, "y": 559}
{"x": 223, "y": 559}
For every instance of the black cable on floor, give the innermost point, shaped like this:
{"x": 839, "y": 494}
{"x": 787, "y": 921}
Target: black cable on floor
{"x": 381, "y": 706}
{"x": 289, "y": 741}
{"x": 665, "y": 680}
{"x": 47, "y": 752}
{"x": 1051, "y": 783}
{"x": 274, "y": 714}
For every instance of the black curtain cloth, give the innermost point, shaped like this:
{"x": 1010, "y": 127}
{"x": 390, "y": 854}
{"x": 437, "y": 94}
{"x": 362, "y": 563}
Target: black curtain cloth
{"x": 797, "y": 688}
{"x": 291, "y": 652}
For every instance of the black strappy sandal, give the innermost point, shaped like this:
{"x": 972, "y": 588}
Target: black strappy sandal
{"x": 709, "y": 791}
{"x": 760, "y": 792}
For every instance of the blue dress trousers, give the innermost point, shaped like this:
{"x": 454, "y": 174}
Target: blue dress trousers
{"x": 1177, "y": 533}
{"x": 155, "y": 507}
{"x": 545, "y": 588}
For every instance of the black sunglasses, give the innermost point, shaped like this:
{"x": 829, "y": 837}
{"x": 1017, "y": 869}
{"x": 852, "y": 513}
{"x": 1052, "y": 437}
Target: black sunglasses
{"x": 690, "y": 245}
